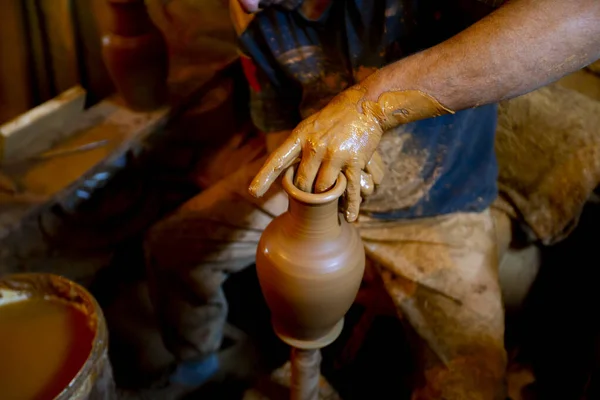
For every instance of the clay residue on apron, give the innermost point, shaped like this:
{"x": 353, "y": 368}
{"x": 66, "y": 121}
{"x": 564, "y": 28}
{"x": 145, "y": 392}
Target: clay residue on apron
{"x": 403, "y": 184}
{"x": 549, "y": 166}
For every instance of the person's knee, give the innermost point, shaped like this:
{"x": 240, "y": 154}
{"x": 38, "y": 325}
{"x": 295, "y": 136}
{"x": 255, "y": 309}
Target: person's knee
{"x": 180, "y": 239}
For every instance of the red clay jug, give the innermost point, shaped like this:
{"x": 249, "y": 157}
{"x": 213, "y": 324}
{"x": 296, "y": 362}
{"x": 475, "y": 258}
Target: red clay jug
{"x": 135, "y": 55}
{"x": 310, "y": 264}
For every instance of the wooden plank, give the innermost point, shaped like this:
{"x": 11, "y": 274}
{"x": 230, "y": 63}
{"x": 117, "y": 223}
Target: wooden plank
{"x": 58, "y": 179}
{"x": 30, "y": 191}
{"x": 107, "y": 121}
{"x": 39, "y": 128}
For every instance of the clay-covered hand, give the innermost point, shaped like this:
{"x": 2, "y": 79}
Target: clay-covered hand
{"x": 343, "y": 137}
{"x": 368, "y": 179}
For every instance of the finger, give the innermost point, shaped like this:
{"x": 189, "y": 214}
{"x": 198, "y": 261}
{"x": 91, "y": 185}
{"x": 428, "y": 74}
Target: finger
{"x": 352, "y": 192}
{"x": 277, "y": 162}
{"x": 376, "y": 168}
{"x": 367, "y": 186}
{"x": 328, "y": 175}
{"x": 312, "y": 156}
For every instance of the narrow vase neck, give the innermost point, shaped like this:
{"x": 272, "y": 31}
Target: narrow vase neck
{"x": 316, "y": 220}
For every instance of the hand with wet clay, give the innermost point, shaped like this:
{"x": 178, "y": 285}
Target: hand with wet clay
{"x": 368, "y": 179}
{"x": 342, "y": 137}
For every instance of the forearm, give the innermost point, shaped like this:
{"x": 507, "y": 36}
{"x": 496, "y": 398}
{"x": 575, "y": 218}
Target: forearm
{"x": 520, "y": 47}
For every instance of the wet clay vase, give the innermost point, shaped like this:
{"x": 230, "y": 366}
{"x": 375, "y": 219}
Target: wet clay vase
{"x": 135, "y": 55}
{"x": 310, "y": 264}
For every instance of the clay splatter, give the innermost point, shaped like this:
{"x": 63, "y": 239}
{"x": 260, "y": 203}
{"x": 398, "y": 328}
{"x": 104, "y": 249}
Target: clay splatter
{"x": 403, "y": 184}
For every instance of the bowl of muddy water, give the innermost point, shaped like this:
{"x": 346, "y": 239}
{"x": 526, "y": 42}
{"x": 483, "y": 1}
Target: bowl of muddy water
{"x": 53, "y": 341}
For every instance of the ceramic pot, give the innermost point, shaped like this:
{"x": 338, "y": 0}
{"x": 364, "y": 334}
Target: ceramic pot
{"x": 135, "y": 54}
{"x": 138, "y": 68}
{"x": 310, "y": 264}
{"x": 128, "y": 18}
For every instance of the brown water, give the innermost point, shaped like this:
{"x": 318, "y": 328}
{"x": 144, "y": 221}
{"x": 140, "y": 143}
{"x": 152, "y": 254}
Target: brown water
{"x": 43, "y": 344}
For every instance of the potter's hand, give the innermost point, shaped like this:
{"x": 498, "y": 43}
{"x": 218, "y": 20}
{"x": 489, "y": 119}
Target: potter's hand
{"x": 343, "y": 137}
{"x": 368, "y": 179}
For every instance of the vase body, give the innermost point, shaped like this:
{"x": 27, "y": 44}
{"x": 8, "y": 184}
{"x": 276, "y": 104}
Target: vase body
{"x": 135, "y": 55}
{"x": 310, "y": 264}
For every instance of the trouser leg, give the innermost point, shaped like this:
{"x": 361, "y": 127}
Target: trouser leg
{"x": 441, "y": 273}
{"x": 190, "y": 254}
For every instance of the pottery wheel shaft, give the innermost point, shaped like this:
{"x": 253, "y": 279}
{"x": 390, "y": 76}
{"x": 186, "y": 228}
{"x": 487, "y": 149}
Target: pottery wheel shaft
{"x": 306, "y": 371}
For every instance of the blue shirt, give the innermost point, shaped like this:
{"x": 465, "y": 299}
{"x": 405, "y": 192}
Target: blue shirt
{"x": 296, "y": 63}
